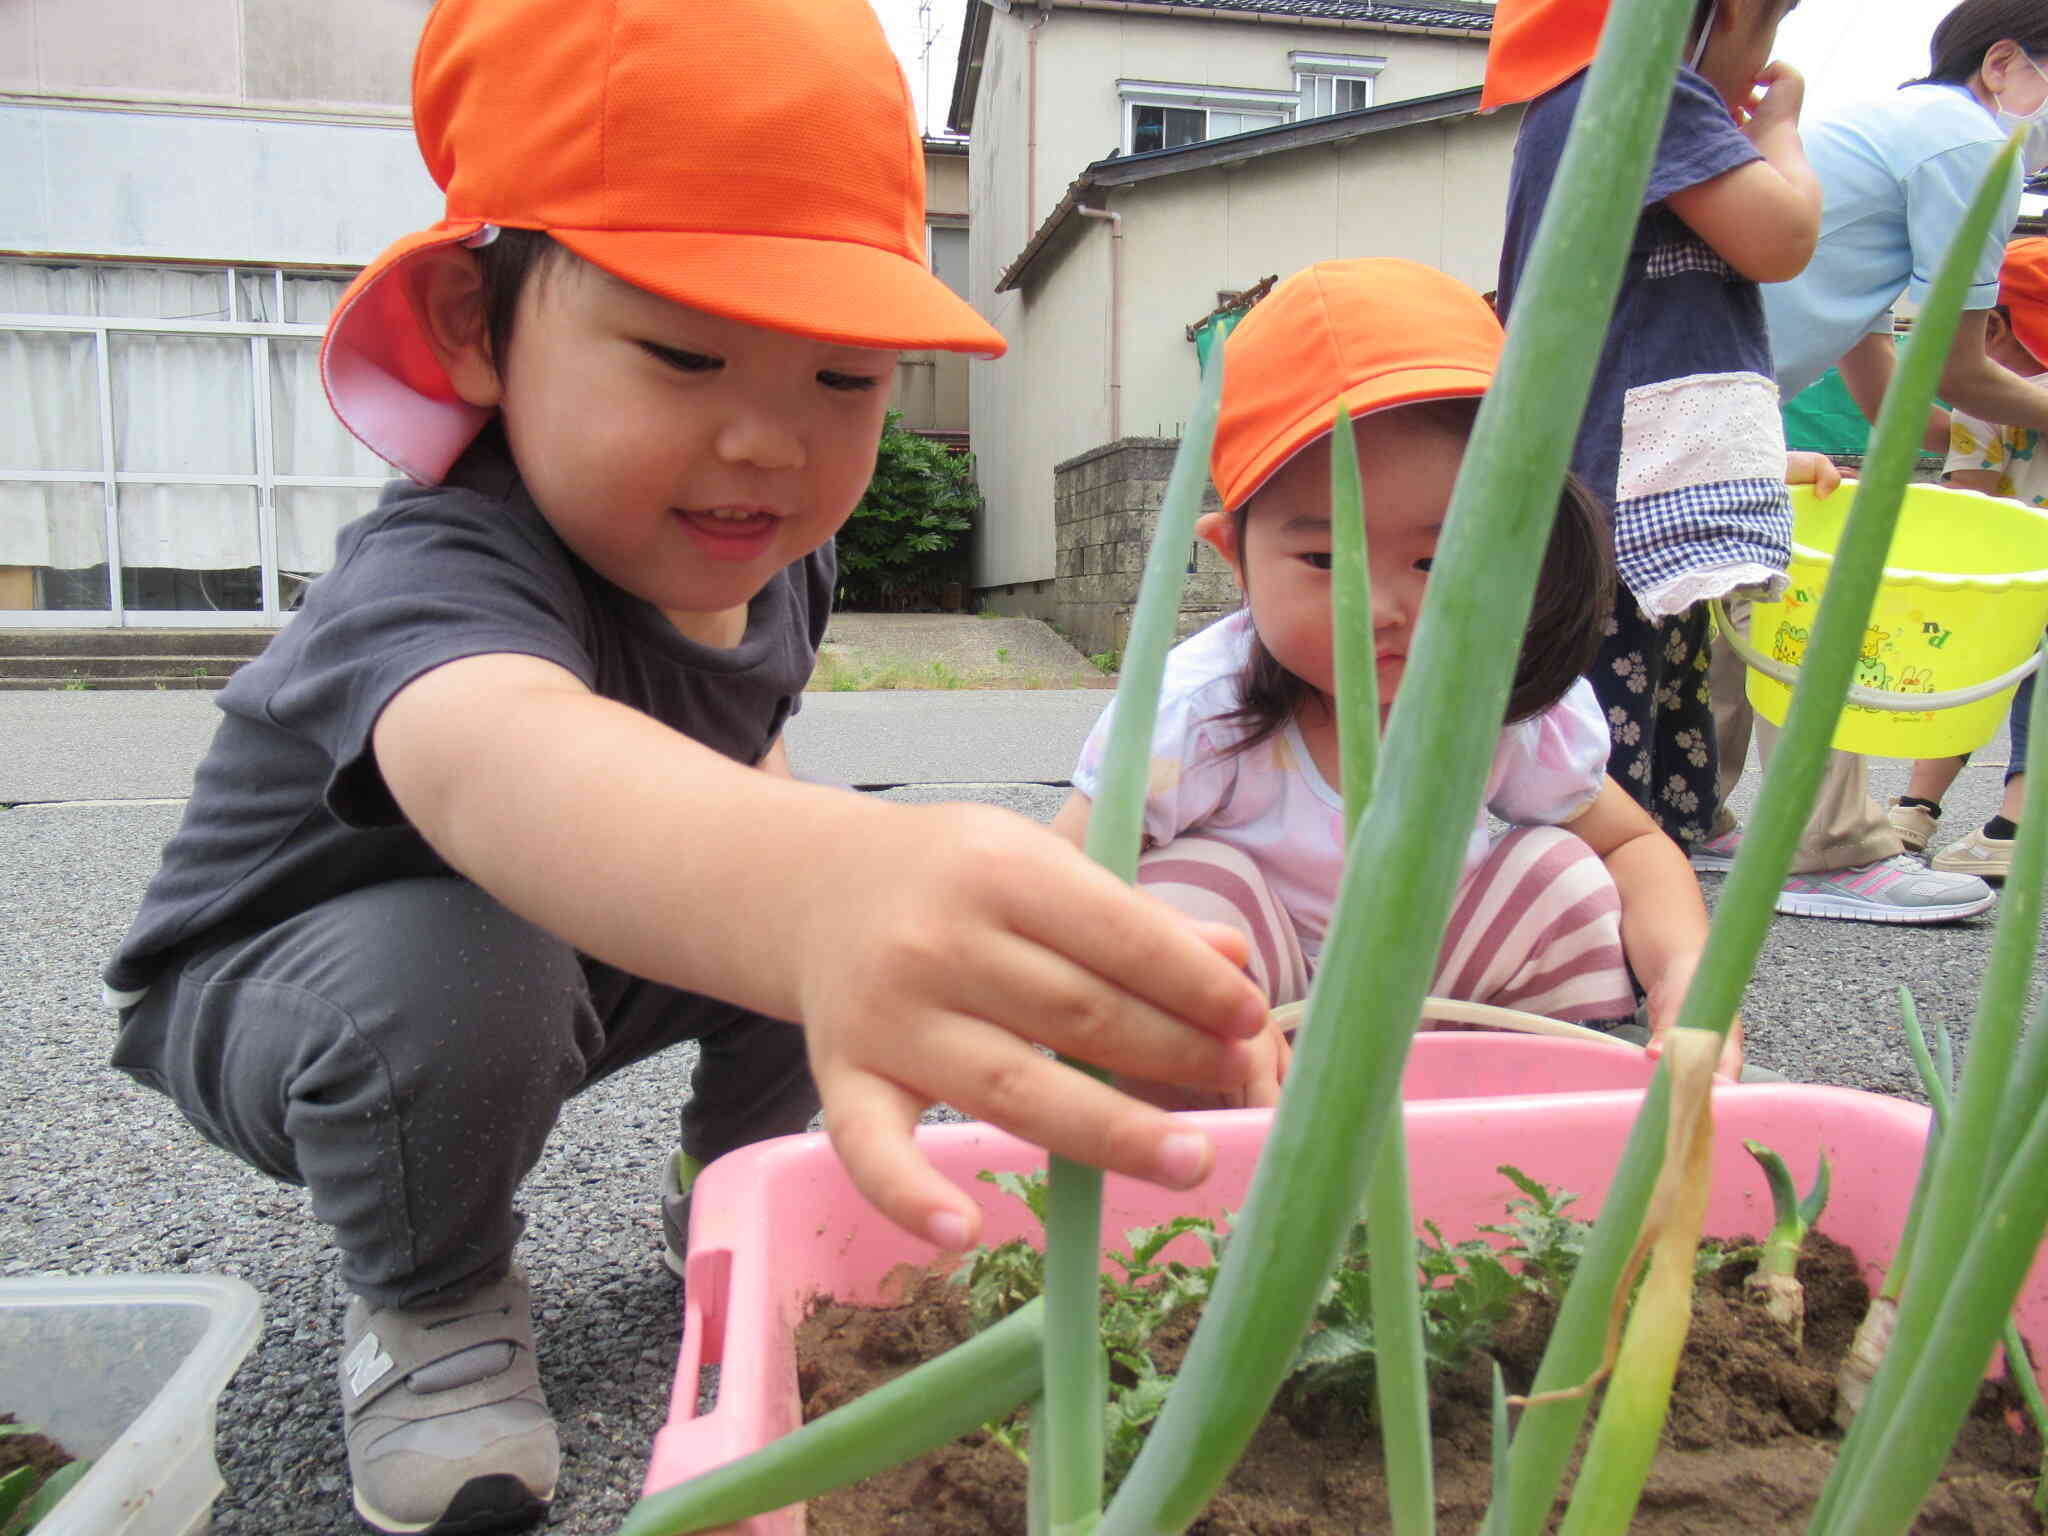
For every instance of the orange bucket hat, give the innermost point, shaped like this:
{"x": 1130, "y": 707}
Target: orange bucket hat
{"x": 2023, "y": 290}
{"x": 1373, "y": 334}
{"x": 756, "y": 159}
{"x": 1538, "y": 45}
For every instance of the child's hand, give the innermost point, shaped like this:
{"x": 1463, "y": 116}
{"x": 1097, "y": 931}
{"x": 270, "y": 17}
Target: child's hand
{"x": 1814, "y": 469}
{"x": 1665, "y": 999}
{"x": 1776, "y": 102}
{"x": 1271, "y": 1053}
{"x": 953, "y": 940}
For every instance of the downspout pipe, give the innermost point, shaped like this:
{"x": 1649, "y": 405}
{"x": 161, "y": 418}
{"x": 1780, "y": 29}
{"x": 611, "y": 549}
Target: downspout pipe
{"x": 1116, "y": 313}
{"x": 1031, "y": 118}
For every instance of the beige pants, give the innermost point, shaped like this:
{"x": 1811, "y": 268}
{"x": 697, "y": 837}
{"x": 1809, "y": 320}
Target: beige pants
{"x": 1847, "y": 827}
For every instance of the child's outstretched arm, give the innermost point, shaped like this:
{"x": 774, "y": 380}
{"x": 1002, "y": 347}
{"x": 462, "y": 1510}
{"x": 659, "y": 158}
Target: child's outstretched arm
{"x": 1762, "y": 218}
{"x": 926, "y": 950}
{"x": 1663, "y": 919}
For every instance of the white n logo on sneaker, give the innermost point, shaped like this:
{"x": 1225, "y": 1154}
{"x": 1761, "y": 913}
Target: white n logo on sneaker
{"x": 365, "y": 1365}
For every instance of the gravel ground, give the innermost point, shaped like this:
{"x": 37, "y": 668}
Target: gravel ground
{"x": 97, "y": 1174}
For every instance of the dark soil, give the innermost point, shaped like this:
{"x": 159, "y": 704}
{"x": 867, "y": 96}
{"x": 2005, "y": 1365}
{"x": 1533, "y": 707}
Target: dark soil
{"x": 1746, "y": 1449}
{"x": 32, "y": 1450}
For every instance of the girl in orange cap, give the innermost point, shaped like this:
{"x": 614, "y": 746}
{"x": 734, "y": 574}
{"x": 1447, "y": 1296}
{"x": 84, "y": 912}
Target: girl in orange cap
{"x": 1244, "y": 818}
{"x": 1681, "y": 437}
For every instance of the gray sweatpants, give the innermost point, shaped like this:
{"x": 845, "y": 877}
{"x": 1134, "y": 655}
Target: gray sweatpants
{"x": 403, "y": 1052}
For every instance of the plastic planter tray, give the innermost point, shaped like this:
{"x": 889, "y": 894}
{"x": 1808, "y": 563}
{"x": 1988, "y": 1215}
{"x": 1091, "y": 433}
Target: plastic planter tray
{"x": 779, "y": 1223}
{"x": 127, "y": 1370}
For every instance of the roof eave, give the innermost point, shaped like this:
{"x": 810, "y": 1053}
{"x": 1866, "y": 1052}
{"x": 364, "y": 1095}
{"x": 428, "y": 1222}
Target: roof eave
{"x": 1126, "y": 170}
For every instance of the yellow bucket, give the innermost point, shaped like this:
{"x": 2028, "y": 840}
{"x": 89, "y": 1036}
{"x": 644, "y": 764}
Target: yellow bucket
{"x": 1963, "y": 603}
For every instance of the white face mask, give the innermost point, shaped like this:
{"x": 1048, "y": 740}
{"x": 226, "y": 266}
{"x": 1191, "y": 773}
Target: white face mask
{"x": 2034, "y": 150}
{"x": 1699, "y": 49}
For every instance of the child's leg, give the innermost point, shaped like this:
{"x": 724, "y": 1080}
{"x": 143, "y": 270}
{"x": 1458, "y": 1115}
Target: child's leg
{"x": 1217, "y": 883}
{"x": 1727, "y": 683}
{"x": 1652, "y": 679}
{"x": 1538, "y": 927}
{"x": 403, "y": 1052}
{"x": 751, "y": 1081}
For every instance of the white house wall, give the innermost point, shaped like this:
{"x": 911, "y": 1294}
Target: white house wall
{"x": 1082, "y": 54}
{"x": 207, "y": 188}
{"x": 1434, "y": 193}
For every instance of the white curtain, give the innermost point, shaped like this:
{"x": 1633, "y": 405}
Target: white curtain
{"x": 182, "y": 405}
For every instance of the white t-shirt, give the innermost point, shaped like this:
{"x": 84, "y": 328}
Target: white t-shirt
{"x": 2014, "y": 452}
{"x": 1272, "y": 803}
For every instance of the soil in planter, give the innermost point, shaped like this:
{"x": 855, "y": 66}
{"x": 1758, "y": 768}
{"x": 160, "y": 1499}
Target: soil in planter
{"x": 1746, "y": 1449}
{"x": 31, "y": 1450}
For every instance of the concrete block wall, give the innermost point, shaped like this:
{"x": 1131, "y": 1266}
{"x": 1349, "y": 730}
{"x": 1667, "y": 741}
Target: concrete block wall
{"x": 1105, "y": 507}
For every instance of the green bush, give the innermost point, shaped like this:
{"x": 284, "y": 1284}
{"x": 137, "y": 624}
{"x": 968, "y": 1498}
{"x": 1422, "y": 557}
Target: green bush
{"x": 906, "y": 541}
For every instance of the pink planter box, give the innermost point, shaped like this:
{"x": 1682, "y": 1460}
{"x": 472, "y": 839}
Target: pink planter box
{"x": 776, "y": 1224}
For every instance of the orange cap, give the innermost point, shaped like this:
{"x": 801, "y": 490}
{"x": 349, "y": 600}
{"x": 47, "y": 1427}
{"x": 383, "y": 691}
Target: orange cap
{"x": 1538, "y": 45}
{"x": 757, "y": 159}
{"x": 2023, "y": 290}
{"x": 1373, "y": 334}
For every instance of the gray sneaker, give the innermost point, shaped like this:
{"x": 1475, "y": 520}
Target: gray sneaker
{"x": 1893, "y": 890}
{"x": 448, "y": 1431}
{"x": 675, "y": 1214}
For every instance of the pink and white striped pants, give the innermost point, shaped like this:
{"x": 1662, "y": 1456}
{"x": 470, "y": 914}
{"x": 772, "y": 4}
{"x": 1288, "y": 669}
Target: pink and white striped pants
{"x": 1537, "y": 926}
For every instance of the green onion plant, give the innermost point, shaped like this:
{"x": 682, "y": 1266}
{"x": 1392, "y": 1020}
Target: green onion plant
{"x": 1775, "y": 1281}
{"x": 1335, "y": 1139}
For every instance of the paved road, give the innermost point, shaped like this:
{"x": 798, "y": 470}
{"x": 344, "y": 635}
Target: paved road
{"x": 99, "y": 1175}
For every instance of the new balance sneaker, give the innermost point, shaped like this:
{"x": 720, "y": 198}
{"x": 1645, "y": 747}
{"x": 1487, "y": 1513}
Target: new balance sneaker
{"x": 1894, "y": 890}
{"x": 1716, "y": 856}
{"x": 448, "y": 1431}
{"x": 1915, "y": 825}
{"x": 1988, "y": 858}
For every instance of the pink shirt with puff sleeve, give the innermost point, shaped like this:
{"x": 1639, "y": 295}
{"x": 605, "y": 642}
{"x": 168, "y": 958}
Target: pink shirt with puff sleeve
{"x": 1272, "y": 803}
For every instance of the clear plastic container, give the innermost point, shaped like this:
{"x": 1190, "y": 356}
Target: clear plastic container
{"x": 126, "y": 1370}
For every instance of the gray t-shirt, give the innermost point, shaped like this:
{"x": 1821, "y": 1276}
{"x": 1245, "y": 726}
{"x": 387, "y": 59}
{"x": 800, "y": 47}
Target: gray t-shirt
{"x": 289, "y": 810}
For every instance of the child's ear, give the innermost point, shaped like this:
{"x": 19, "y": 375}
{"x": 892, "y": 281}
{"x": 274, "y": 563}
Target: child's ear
{"x": 446, "y": 292}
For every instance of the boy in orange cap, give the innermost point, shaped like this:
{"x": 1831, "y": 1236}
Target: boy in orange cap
{"x": 1999, "y": 461}
{"x": 1244, "y": 821}
{"x": 505, "y": 808}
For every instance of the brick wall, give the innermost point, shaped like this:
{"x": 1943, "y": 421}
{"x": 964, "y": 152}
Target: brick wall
{"x": 1105, "y": 506}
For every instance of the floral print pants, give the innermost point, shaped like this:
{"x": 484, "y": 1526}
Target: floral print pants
{"x": 1651, "y": 678}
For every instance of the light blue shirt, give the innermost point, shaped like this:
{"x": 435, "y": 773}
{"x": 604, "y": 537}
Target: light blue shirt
{"x": 1896, "y": 176}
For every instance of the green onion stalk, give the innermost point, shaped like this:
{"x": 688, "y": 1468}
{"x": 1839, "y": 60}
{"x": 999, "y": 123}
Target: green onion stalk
{"x": 1400, "y": 1375}
{"x": 1775, "y": 1281}
{"x": 1873, "y": 1338}
{"x": 1343, "y": 1091}
{"x": 1069, "y": 1448}
{"x": 987, "y": 1377}
{"x": 1987, "y": 1208}
{"x": 1866, "y": 1357}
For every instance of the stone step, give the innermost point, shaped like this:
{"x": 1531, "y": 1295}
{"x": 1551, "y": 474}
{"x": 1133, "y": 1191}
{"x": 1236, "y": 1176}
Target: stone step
{"x": 9, "y": 684}
{"x": 242, "y": 643}
{"x": 109, "y": 668}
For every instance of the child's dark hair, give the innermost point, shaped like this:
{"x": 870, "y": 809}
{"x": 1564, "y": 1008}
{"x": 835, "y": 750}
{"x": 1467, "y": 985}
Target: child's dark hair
{"x": 1574, "y": 596}
{"x": 1966, "y": 34}
{"x": 506, "y": 265}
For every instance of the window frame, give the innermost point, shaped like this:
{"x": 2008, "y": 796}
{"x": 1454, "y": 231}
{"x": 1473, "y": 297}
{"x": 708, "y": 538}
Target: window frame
{"x": 264, "y": 478}
{"x": 1310, "y": 68}
{"x": 1205, "y": 99}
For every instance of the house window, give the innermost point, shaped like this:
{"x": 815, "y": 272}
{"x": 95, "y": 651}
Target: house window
{"x": 1161, "y": 115}
{"x": 1334, "y": 82}
{"x": 175, "y": 457}
{"x": 1166, "y": 127}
